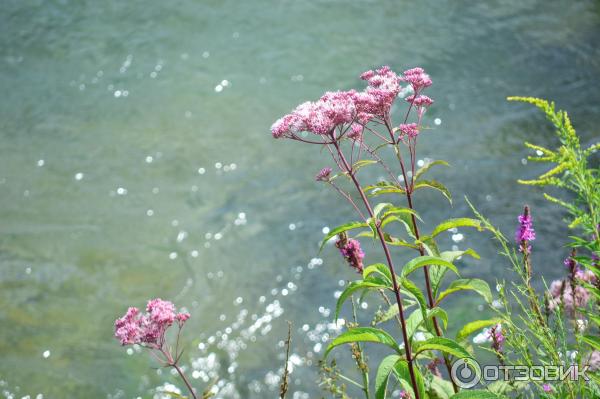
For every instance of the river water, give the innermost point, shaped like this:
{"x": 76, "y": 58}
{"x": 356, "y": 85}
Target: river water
{"x": 136, "y": 162}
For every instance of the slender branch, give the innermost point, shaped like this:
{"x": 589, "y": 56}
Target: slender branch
{"x": 390, "y": 263}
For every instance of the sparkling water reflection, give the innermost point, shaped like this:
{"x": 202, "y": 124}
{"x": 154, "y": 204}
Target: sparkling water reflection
{"x": 136, "y": 162}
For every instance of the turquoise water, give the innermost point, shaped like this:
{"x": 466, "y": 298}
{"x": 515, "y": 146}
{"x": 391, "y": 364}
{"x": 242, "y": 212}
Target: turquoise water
{"x": 136, "y": 162}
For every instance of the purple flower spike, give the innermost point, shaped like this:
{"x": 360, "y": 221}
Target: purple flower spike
{"x": 525, "y": 233}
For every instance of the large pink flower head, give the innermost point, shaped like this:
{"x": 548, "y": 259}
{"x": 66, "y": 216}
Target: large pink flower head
{"x": 383, "y": 88}
{"x": 319, "y": 117}
{"x": 417, "y": 78}
{"x": 148, "y": 328}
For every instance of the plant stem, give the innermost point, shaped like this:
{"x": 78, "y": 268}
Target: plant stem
{"x": 408, "y": 192}
{"x": 185, "y": 380}
{"x": 390, "y": 263}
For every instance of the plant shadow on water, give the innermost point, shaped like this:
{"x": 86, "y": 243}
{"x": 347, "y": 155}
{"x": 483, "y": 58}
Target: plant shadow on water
{"x": 136, "y": 163}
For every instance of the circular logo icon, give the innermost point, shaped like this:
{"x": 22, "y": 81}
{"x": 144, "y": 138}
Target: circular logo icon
{"x": 465, "y": 374}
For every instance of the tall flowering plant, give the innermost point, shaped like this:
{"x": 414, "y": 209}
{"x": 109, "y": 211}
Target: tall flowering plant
{"x": 355, "y": 128}
{"x": 561, "y": 326}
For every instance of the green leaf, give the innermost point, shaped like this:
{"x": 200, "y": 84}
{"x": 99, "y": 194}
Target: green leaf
{"x": 416, "y": 293}
{"x": 397, "y": 210}
{"x": 436, "y": 186}
{"x": 378, "y": 268}
{"x": 380, "y": 207}
{"x": 473, "y": 284}
{"x": 438, "y": 313}
{"x": 384, "y": 188}
{"x": 443, "y": 344}
{"x": 476, "y": 394}
{"x": 363, "y": 162}
{"x": 451, "y": 256}
{"x": 441, "y": 388}
{"x": 422, "y": 261}
{"x": 427, "y": 166}
{"x": 397, "y": 241}
{"x": 593, "y": 341}
{"x": 402, "y": 372}
{"x": 341, "y": 229}
{"x": 383, "y": 373}
{"x": 352, "y": 288}
{"x": 474, "y": 326}
{"x": 363, "y": 334}
{"x": 452, "y": 223}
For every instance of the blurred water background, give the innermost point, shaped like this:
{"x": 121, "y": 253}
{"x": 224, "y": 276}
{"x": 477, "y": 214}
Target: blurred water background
{"x": 136, "y": 162}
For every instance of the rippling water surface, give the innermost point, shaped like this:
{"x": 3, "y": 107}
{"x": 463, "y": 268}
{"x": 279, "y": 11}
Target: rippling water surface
{"x": 136, "y": 162}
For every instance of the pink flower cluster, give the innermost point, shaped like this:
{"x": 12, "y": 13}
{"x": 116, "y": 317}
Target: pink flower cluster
{"x": 352, "y": 252}
{"x": 495, "y": 334}
{"x": 417, "y": 78}
{"x": 525, "y": 232}
{"x": 561, "y": 292}
{"x": 352, "y": 108}
{"x": 409, "y": 129}
{"x": 323, "y": 174}
{"x": 148, "y": 328}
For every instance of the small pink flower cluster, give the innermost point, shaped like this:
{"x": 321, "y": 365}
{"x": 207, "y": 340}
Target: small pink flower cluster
{"x": 525, "y": 232}
{"x": 148, "y": 328}
{"x": 352, "y": 252}
{"x": 495, "y": 334}
{"x": 409, "y": 129}
{"x": 352, "y": 108}
{"x": 323, "y": 174}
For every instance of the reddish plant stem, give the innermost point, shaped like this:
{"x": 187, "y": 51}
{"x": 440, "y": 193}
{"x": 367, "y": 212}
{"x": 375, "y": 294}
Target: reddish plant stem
{"x": 408, "y": 192}
{"x": 388, "y": 256}
{"x": 173, "y": 363}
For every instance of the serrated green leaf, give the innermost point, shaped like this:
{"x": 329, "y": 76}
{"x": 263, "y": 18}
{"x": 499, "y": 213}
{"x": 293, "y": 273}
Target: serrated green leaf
{"x": 353, "y": 287}
{"x": 436, "y": 186}
{"x": 453, "y": 223}
{"x": 423, "y": 261}
{"x": 427, "y": 166}
{"x": 378, "y": 268}
{"x": 474, "y": 326}
{"x": 363, "y": 334}
{"x": 473, "y": 284}
{"x": 442, "y": 344}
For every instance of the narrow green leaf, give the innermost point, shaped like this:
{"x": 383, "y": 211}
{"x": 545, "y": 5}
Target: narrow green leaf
{"x": 380, "y": 269}
{"x": 593, "y": 341}
{"x": 363, "y": 162}
{"x": 436, "y": 186}
{"x": 427, "y": 166}
{"x": 422, "y": 261}
{"x": 352, "y": 288}
{"x": 380, "y": 207}
{"x": 474, "y": 326}
{"x": 473, "y": 284}
{"x": 383, "y": 373}
{"x": 363, "y": 334}
{"x": 443, "y": 344}
{"x": 402, "y": 372}
{"x": 341, "y": 229}
{"x": 453, "y": 223}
